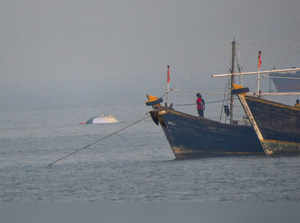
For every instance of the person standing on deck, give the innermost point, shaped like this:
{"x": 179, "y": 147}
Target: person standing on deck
{"x": 200, "y": 105}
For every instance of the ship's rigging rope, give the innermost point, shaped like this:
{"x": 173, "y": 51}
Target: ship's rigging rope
{"x": 208, "y": 102}
{"x": 100, "y": 139}
{"x": 225, "y": 98}
{"x": 224, "y": 93}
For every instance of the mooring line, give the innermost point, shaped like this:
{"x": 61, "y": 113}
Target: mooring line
{"x": 102, "y": 138}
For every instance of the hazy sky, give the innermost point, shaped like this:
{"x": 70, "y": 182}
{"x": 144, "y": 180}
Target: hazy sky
{"x": 75, "y": 51}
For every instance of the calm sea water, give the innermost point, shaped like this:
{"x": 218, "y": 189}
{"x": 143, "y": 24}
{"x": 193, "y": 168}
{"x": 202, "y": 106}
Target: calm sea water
{"x": 136, "y": 165}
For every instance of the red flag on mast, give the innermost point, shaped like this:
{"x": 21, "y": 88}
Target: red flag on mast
{"x": 259, "y": 60}
{"x": 168, "y": 74}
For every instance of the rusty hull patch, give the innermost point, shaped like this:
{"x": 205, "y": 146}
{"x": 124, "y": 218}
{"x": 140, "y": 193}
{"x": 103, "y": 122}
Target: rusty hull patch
{"x": 274, "y": 147}
{"x": 184, "y": 153}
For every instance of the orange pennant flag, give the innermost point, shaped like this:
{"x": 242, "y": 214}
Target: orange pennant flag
{"x": 168, "y": 74}
{"x": 259, "y": 60}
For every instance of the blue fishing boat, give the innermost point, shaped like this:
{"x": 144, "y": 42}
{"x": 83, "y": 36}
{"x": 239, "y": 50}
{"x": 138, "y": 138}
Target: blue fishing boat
{"x": 276, "y": 124}
{"x": 190, "y": 136}
{"x": 286, "y": 81}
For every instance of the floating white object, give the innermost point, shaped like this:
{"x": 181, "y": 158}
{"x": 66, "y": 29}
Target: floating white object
{"x": 103, "y": 119}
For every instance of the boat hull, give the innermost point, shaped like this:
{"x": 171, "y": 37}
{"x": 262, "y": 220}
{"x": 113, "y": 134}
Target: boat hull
{"x": 276, "y": 125}
{"x": 192, "y": 137}
{"x": 286, "y": 82}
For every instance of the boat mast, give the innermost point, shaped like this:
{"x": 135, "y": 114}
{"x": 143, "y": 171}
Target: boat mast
{"x": 232, "y": 80}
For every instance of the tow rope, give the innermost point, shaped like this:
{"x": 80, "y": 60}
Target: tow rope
{"x": 98, "y": 140}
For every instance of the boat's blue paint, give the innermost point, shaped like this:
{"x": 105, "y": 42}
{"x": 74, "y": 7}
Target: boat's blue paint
{"x": 190, "y": 136}
{"x": 279, "y": 125}
{"x": 276, "y": 121}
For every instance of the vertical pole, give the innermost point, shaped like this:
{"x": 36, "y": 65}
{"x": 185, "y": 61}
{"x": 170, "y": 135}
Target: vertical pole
{"x": 232, "y": 81}
{"x": 258, "y": 84}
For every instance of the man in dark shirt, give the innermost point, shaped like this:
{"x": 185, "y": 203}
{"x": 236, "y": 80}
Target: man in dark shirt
{"x": 200, "y": 105}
